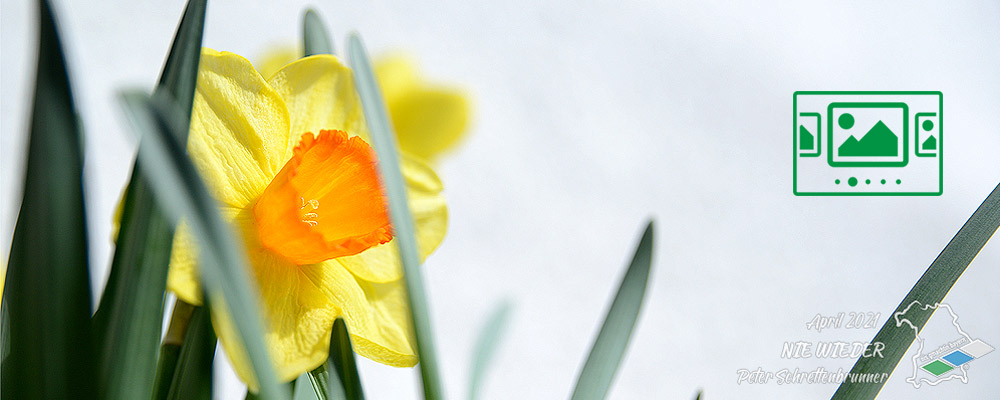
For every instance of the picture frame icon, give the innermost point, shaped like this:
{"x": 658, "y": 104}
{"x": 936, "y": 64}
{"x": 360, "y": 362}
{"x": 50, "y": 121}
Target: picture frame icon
{"x": 882, "y": 141}
{"x": 866, "y": 143}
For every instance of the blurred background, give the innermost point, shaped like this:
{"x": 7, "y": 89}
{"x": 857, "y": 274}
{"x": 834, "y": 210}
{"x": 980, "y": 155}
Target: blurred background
{"x": 588, "y": 119}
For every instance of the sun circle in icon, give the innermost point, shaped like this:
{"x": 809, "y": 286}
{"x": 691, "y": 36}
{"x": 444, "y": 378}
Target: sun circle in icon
{"x": 928, "y": 125}
{"x": 846, "y": 120}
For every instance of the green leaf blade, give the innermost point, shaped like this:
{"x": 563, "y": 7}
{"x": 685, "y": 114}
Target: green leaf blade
{"x": 170, "y": 350}
{"x": 315, "y": 38}
{"x": 193, "y": 376}
{"x": 344, "y": 380}
{"x": 486, "y": 345}
{"x": 180, "y": 72}
{"x": 384, "y": 142}
{"x": 48, "y": 347}
{"x": 930, "y": 289}
{"x": 338, "y": 378}
{"x": 128, "y": 320}
{"x": 319, "y": 379}
{"x": 222, "y": 261}
{"x": 609, "y": 347}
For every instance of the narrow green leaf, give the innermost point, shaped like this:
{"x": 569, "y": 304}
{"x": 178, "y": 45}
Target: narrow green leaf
{"x": 930, "y": 289}
{"x": 315, "y": 39}
{"x": 384, "y": 142}
{"x": 697, "y": 396}
{"x": 166, "y": 366}
{"x": 338, "y": 378}
{"x": 222, "y": 260}
{"x": 287, "y": 388}
{"x": 344, "y": 381}
{"x": 302, "y": 392}
{"x": 47, "y": 289}
{"x": 319, "y": 379}
{"x": 170, "y": 350}
{"x": 489, "y": 338}
{"x": 193, "y": 375}
{"x": 180, "y": 72}
{"x": 609, "y": 347}
{"x": 128, "y": 320}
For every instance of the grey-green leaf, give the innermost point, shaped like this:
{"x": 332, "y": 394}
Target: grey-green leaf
{"x": 486, "y": 345}
{"x": 304, "y": 393}
{"x": 315, "y": 38}
{"x": 192, "y": 379}
{"x": 930, "y": 289}
{"x": 180, "y": 72}
{"x": 182, "y": 193}
{"x": 344, "y": 381}
{"x": 609, "y": 348}
{"x": 338, "y": 378}
{"x": 319, "y": 379}
{"x": 384, "y": 142}
{"x": 170, "y": 349}
{"x": 128, "y": 320}
{"x": 48, "y": 346}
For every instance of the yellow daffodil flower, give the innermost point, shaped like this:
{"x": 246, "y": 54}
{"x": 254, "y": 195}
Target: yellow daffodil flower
{"x": 429, "y": 119}
{"x": 288, "y": 160}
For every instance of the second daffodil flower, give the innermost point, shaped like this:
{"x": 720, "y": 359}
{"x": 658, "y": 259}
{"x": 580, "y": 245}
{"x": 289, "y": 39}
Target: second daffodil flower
{"x": 429, "y": 118}
{"x": 288, "y": 160}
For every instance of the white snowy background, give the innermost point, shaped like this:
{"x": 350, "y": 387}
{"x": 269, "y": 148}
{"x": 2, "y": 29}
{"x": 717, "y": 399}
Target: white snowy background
{"x": 591, "y": 117}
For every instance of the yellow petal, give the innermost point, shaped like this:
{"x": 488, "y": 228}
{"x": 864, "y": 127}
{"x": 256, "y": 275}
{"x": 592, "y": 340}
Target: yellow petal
{"x": 396, "y": 75}
{"x": 319, "y": 93}
{"x": 430, "y": 214}
{"x": 428, "y": 119}
{"x": 222, "y": 323}
{"x": 275, "y": 58}
{"x": 376, "y": 314}
{"x": 116, "y": 219}
{"x": 239, "y": 128}
{"x": 3, "y": 278}
{"x": 298, "y": 314}
{"x": 183, "y": 278}
{"x": 392, "y": 341}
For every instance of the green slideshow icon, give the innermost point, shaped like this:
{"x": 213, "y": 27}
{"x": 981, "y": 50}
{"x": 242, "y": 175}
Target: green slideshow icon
{"x": 867, "y": 144}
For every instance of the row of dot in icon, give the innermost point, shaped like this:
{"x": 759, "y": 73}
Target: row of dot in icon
{"x": 854, "y": 181}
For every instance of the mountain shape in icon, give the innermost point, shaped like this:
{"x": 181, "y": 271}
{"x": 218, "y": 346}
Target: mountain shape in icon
{"x": 930, "y": 144}
{"x": 878, "y": 142}
{"x": 806, "y": 139}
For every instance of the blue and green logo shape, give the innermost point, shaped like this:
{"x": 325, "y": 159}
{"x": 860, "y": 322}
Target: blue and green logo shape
{"x": 867, "y": 143}
{"x": 951, "y": 358}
